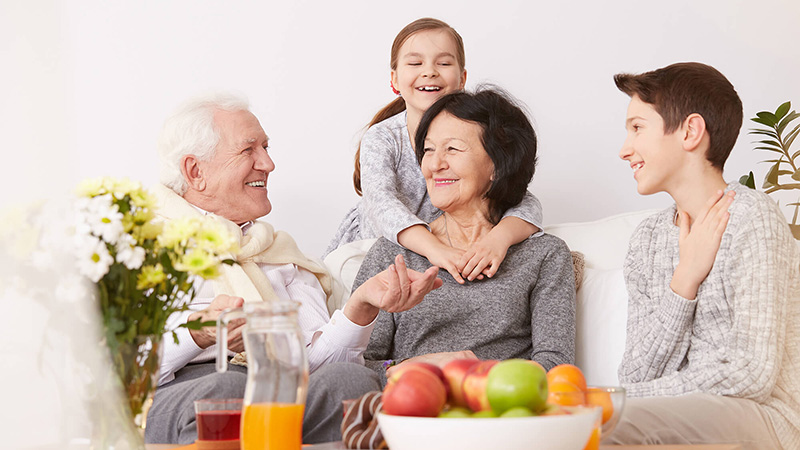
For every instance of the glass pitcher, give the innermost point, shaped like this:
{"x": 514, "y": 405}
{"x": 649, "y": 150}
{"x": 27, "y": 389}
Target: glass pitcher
{"x": 277, "y": 373}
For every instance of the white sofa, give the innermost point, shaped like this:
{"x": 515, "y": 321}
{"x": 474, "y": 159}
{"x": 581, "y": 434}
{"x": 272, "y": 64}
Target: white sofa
{"x": 601, "y": 300}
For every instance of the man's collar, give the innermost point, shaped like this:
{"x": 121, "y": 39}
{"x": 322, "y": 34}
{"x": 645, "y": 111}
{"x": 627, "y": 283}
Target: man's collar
{"x": 245, "y": 226}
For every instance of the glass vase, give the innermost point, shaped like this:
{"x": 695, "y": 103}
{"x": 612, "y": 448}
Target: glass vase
{"x": 134, "y": 373}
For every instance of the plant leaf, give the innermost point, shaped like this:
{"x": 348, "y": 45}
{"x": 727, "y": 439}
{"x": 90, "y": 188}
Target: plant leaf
{"x": 789, "y": 139}
{"x": 768, "y": 116}
{"x": 786, "y": 121}
{"x": 796, "y": 175}
{"x": 764, "y": 122}
{"x": 772, "y": 177}
{"x": 770, "y": 133}
{"x": 773, "y": 143}
{"x": 748, "y": 180}
{"x": 782, "y": 110}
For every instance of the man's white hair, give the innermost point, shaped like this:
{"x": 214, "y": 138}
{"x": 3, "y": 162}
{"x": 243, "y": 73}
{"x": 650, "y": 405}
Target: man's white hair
{"x": 191, "y": 131}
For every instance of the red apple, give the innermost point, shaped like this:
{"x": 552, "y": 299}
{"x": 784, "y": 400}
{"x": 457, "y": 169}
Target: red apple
{"x": 454, "y": 373}
{"x": 414, "y": 393}
{"x": 474, "y": 386}
{"x": 421, "y": 366}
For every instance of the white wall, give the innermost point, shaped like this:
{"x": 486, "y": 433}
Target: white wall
{"x": 86, "y": 85}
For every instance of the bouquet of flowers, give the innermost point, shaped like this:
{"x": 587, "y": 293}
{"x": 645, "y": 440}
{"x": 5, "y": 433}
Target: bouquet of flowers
{"x": 144, "y": 271}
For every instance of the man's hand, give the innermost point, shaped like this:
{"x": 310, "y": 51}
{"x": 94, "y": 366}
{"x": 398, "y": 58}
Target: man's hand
{"x": 437, "y": 359}
{"x": 207, "y": 336}
{"x": 699, "y": 243}
{"x": 393, "y": 290}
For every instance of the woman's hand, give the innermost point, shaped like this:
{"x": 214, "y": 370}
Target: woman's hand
{"x": 396, "y": 289}
{"x": 437, "y": 359}
{"x": 699, "y": 243}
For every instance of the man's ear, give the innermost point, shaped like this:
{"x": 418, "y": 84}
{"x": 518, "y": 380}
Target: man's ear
{"x": 693, "y": 131}
{"x": 190, "y": 169}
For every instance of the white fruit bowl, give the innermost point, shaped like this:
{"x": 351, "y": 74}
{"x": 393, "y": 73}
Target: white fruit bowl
{"x": 565, "y": 432}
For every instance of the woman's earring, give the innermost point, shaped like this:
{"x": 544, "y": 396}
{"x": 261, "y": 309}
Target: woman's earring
{"x": 396, "y": 92}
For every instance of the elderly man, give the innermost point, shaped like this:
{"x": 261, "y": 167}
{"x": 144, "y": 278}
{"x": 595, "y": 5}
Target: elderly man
{"x": 214, "y": 161}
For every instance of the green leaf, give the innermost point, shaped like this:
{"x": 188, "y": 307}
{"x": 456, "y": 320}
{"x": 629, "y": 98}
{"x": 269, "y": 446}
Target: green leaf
{"x": 768, "y": 117}
{"x": 769, "y": 133}
{"x": 782, "y": 110}
{"x": 790, "y": 138}
{"x": 773, "y": 143}
{"x": 786, "y": 121}
{"x": 772, "y": 177}
{"x": 764, "y": 122}
{"x": 748, "y": 180}
{"x": 796, "y": 175}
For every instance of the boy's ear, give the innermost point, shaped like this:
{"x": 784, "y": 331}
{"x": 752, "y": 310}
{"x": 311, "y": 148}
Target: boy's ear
{"x": 693, "y": 130}
{"x": 190, "y": 169}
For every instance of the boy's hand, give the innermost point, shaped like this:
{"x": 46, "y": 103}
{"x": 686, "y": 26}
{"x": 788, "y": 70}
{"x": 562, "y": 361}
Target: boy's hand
{"x": 484, "y": 257}
{"x": 699, "y": 243}
{"x": 447, "y": 258}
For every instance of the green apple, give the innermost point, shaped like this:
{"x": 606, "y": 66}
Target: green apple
{"x": 455, "y": 413}
{"x": 516, "y": 382}
{"x": 518, "y": 411}
{"x": 485, "y": 414}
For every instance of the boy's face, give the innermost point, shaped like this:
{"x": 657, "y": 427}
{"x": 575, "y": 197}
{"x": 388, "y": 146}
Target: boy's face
{"x": 655, "y": 157}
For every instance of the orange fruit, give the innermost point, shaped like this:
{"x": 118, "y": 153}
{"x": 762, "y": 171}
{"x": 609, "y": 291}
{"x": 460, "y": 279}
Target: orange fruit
{"x": 594, "y": 440}
{"x": 567, "y": 373}
{"x": 599, "y": 397}
{"x": 565, "y": 394}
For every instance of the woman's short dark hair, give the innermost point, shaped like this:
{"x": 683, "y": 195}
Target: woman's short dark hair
{"x": 507, "y": 135}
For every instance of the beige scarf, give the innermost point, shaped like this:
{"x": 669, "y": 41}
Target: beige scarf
{"x": 259, "y": 245}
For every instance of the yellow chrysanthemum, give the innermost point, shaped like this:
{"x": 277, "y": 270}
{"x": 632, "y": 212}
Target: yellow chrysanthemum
{"x": 178, "y": 232}
{"x": 213, "y": 237}
{"x": 150, "y": 276}
{"x": 142, "y": 199}
{"x": 90, "y": 187}
{"x": 196, "y": 261}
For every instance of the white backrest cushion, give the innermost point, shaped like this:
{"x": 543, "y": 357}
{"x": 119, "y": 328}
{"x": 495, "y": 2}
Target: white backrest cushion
{"x": 603, "y": 242}
{"x": 600, "y": 320}
{"x": 343, "y": 264}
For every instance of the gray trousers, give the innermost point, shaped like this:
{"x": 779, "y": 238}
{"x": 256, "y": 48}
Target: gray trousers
{"x": 694, "y": 419}
{"x": 171, "y": 419}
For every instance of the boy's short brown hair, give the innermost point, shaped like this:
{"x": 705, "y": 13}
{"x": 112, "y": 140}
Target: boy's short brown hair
{"x": 681, "y": 89}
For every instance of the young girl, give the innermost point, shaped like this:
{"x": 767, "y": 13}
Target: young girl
{"x": 427, "y": 62}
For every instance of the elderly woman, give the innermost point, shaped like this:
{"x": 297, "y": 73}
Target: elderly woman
{"x": 477, "y": 152}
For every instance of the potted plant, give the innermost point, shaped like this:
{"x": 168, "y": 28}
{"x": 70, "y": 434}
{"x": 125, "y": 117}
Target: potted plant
{"x": 784, "y": 172}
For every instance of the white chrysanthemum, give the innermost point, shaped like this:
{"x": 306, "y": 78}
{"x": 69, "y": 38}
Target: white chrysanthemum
{"x": 93, "y": 257}
{"x": 128, "y": 253}
{"x": 103, "y": 218}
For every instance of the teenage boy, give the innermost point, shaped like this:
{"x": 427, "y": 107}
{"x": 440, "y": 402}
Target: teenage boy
{"x": 713, "y": 336}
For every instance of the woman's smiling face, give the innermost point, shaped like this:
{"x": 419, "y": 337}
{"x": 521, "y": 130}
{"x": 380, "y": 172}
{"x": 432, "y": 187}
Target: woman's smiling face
{"x": 458, "y": 171}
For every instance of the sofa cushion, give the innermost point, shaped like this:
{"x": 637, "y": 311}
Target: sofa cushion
{"x": 600, "y": 321}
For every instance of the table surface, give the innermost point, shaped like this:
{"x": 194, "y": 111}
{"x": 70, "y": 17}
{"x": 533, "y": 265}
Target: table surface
{"x": 338, "y": 446}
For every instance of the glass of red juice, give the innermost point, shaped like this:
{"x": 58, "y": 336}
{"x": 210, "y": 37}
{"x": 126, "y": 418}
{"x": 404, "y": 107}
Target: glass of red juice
{"x": 218, "y": 423}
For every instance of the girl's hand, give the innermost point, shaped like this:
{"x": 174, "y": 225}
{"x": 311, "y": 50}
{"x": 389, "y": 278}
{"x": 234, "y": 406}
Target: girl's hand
{"x": 484, "y": 257}
{"x": 447, "y": 258}
{"x": 699, "y": 243}
{"x": 437, "y": 359}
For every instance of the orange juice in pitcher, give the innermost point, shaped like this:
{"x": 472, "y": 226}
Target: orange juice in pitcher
{"x": 272, "y": 426}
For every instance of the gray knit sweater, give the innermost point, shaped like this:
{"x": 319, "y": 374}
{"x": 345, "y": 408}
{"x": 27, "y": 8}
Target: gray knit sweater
{"x": 395, "y": 194}
{"x": 527, "y": 310}
{"x": 740, "y": 337}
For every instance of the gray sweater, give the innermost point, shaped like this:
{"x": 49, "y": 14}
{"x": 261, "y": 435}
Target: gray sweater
{"x": 395, "y": 194}
{"x": 740, "y": 337}
{"x": 527, "y": 310}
